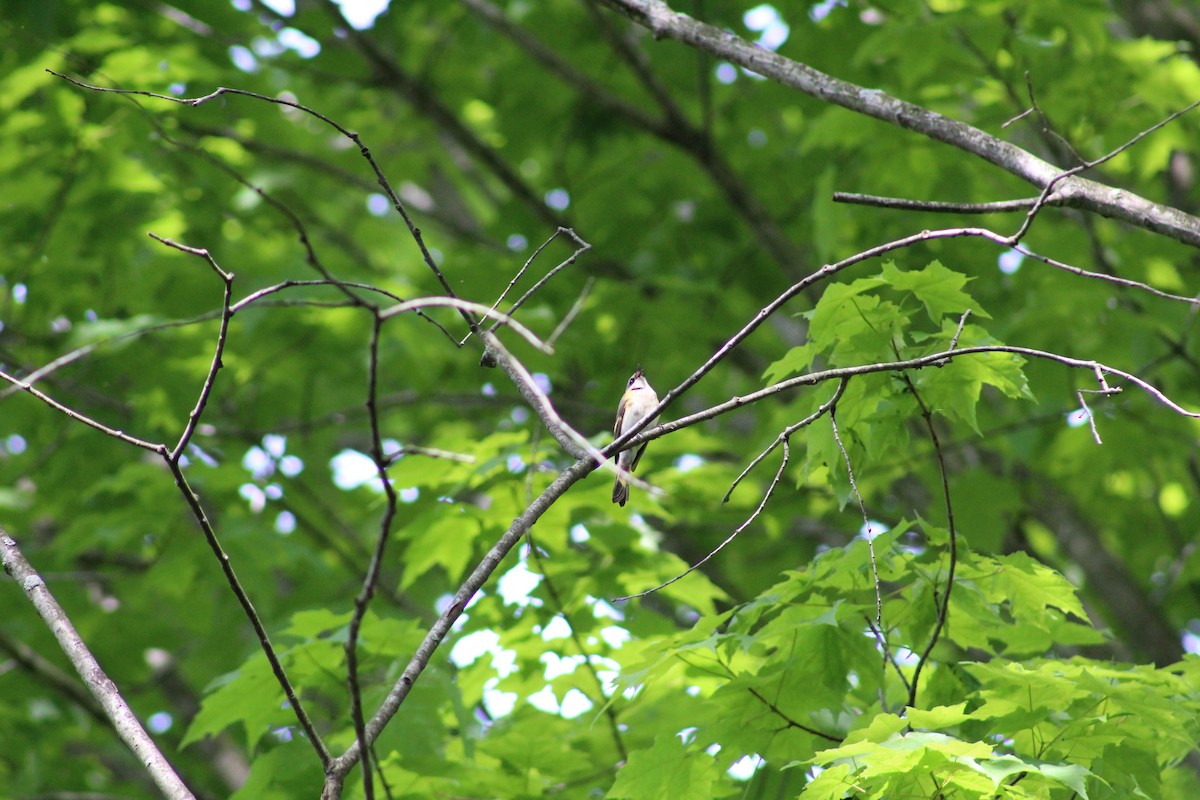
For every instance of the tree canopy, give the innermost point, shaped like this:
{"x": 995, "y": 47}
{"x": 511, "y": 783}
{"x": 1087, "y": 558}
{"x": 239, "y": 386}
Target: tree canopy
{"x": 314, "y": 320}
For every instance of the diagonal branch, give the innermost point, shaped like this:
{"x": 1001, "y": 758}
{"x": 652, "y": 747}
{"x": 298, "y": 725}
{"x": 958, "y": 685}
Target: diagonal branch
{"x": 1070, "y": 191}
{"x": 337, "y": 770}
{"x": 98, "y": 683}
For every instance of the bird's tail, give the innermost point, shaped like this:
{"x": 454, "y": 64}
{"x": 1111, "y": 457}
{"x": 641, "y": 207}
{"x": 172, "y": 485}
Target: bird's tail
{"x": 620, "y": 492}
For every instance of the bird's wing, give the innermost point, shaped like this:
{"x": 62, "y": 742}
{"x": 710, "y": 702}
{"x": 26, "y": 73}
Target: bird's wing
{"x": 637, "y": 457}
{"x": 620, "y": 414}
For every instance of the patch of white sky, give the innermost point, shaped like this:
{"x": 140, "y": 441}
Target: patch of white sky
{"x": 360, "y": 14}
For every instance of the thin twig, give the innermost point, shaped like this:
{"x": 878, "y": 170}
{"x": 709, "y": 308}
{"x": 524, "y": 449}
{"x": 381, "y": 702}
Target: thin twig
{"x": 1048, "y": 189}
{"x": 264, "y": 639}
{"x": 371, "y": 579}
{"x": 430, "y": 452}
{"x": 791, "y": 722}
{"x": 762, "y": 504}
{"x": 572, "y": 313}
{"x": 515, "y": 278}
{"x": 25, "y": 386}
{"x": 609, "y": 712}
{"x": 581, "y": 248}
{"x": 465, "y": 306}
{"x": 879, "y": 637}
{"x": 918, "y": 362}
{"x": 226, "y": 314}
{"x": 1128, "y": 283}
{"x": 943, "y": 609}
{"x": 1090, "y": 417}
{"x": 258, "y": 294}
{"x": 786, "y": 434}
{"x": 867, "y": 531}
{"x": 454, "y": 609}
{"x": 414, "y": 231}
{"x": 633, "y": 436}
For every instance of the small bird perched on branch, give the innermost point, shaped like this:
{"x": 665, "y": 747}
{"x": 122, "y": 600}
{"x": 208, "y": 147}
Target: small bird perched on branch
{"x": 636, "y": 403}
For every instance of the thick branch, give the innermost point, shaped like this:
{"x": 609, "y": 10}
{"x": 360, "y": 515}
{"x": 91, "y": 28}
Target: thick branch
{"x": 1073, "y": 191}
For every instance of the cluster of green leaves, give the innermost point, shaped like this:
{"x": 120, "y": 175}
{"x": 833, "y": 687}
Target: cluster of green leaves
{"x": 878, "y": 320}
{"x": 801, "y": 678}
{"x": 571, "y": 693}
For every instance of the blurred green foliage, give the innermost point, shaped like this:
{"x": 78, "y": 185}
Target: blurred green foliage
{"x": 1060, "y": 670}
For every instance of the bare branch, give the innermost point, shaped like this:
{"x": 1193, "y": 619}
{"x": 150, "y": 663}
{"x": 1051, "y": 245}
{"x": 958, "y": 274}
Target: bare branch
{"x": 349, "y": 134}
{"x": 571, "y": 440}
{"x": 264, "y": 640}
{"x": 340, "y": 766}
{"x": 465, "y": 306}
{"x": 582, "y": 247}
{"x": 562, "y": 326}
{"x": 371, "y": 579}
{"x": 919, "y": 362}
{"x": 102, "y": 688}
{"x": 226, "y": 314}
{"x": 935, "y": 206}
{"x": 791, "y": 723}
{"x": 786, "y": 434}
{"x": 25, "y": 386}
{"x": 1066, "y": 188}
{"x": 430, "y": 452}
{"x": 943, "y": 608}
{"x": 783, "y": 462}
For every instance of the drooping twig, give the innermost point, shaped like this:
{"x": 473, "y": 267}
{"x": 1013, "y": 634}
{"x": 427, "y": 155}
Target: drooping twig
{"x": 791, "y": 722}
{"x": 943, "y": 609}
{"x": 783, "y": 462}
{"x": 868, "y": 533}
{"x": 875, "y": 626}
{"x": 786, "y": 434}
